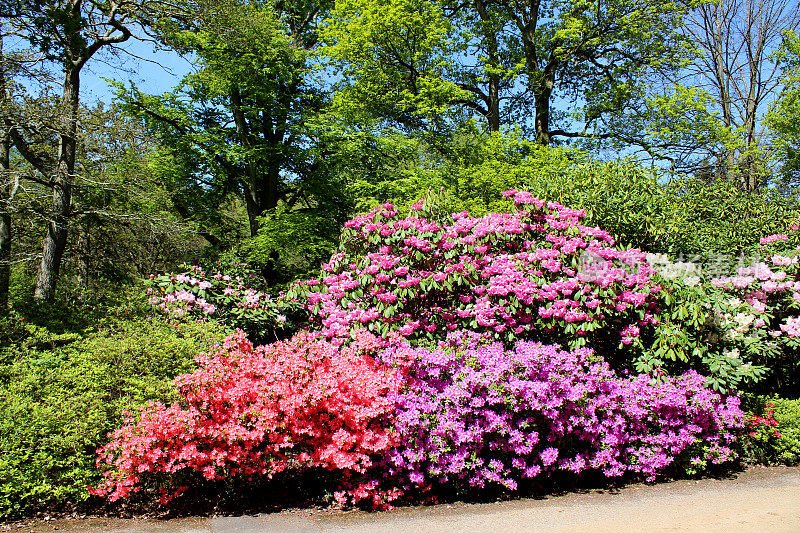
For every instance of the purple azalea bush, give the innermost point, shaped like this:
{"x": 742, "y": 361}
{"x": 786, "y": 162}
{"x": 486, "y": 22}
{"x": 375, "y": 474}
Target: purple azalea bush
{"x": 488, "y": 416}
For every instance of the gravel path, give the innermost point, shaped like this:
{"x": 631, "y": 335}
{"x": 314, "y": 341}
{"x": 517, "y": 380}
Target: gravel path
{"x": 760, "y": 500}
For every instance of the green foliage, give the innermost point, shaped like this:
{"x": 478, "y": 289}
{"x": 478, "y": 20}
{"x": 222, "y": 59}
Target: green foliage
{"x": 470, "y": 176}
{"x": 682, "y": 217}
{"x": 784, "y": 115}
{"x": 690, "y": 334}
{"x": 290, "y": 244}
{"x": 687, "y": 217}
{"x": 410, "y": 64}
{"x": 774, "y": 436}
{"x": 57, "y": 405}
{"x": 787, "y": 414}
{"x": 395, "y": 57}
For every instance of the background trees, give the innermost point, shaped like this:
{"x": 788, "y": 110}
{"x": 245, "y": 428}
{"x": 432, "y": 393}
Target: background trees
{"x": 299, "y": 113}
{"x": 709, "y": 114}
{"x": 66, "y": 35}
{"x": 784, "y": 117}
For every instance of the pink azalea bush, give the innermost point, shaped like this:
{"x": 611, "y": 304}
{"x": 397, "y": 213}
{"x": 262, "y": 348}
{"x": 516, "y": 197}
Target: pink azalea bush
{"x": 537, "y": 273}
{"x": 256, "y": 411}
{"x": 490, "y": 416}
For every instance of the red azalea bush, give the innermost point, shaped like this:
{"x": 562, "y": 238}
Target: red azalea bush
{"x": 258, "y": 411}
{"x": 537, "y": 274}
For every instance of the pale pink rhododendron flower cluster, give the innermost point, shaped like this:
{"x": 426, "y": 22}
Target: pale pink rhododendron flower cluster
{"x": 537, "y": 273}
{"x": 768, "y": 291}
{"x": 755, "y": 318}
{"x": 255, "y": 411}
{"x": 229, "y": 299}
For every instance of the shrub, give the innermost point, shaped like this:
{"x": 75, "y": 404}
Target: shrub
{"x": 249, "y": 412}
{"x": 494, "y": 417}
{"x": 537, "y": 273}
{"x": 773, "y": 435}
{"x": 734, "y": 320}
{"x": 234, "y": 300}
{"x": 699, "y": 326}
{"x": 58, "y": 404}
{"x": 787, "y": 415}
{"x": 688, "y": 216}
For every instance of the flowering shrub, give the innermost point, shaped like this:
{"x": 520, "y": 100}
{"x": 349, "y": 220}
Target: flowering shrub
{"x": 763, "y": 424}
{"x": 258, "y": 411}
{"x": 490, "y": 416}
{"x": 773, "y": 431}
{"x": 231, "y": 300}
{"x": 739, "y": 328}
{"x": 537, "y": 273}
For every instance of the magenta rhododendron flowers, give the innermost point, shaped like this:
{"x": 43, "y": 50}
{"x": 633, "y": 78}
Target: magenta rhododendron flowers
{"x": 537, "y": 273}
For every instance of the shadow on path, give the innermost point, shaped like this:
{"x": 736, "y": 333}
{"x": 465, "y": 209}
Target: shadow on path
{"x": 759, "y": 499}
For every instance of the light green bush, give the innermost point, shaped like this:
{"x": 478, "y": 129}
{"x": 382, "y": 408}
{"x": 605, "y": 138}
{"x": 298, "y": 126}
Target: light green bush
{"x": 787, "y": 414}
{"x": 57, "y": 405}
{"x": 773, "y": 430}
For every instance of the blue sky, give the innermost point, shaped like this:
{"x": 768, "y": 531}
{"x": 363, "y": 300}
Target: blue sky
{"x": 154, "y": 71}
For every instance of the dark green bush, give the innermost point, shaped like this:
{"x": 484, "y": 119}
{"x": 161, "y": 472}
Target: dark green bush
{"x": 640, "y": 207}
{"x": 57, "y": 405}
{"x": 688, "y": 216}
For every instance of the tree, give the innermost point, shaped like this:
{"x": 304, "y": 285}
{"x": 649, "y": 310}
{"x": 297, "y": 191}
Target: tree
{"x": 125, "y": 224}
{"x": 396, "y": 59}
{"x": 240, "y": 121}
{"x": 67, "y": 34}
{"x": 5, "y": 184}
{"x": 16, "y": 67}
{"x": 713, "y": 113}
{"x": 590, "y": 56}
{"x": 784, "y": 115}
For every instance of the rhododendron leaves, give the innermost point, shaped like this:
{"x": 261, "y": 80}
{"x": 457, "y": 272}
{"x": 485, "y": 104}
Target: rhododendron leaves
{"x": 537, "y": 273}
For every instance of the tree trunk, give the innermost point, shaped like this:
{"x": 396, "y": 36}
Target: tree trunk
{"x": 84, "y": 258}
{"x": 542, "y": 96}
{"x": 5, "y": 221}
{"x": 493, "y": 56}
{"x": 56, "y": 238}
{"x": 260, "y": 188}
{"x": 5, "y": 192}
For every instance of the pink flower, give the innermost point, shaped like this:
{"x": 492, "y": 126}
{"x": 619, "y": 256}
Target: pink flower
{"x": 387, "y": 297}
{"x": 773, "y": 238}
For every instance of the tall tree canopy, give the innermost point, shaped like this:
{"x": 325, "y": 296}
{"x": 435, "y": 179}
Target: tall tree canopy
{"x": 240, "y": 122}
{"x": 506, "y": 59}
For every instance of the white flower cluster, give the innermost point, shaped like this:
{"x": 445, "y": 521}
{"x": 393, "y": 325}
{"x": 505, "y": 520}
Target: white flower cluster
{"x": 686, "y": 271}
